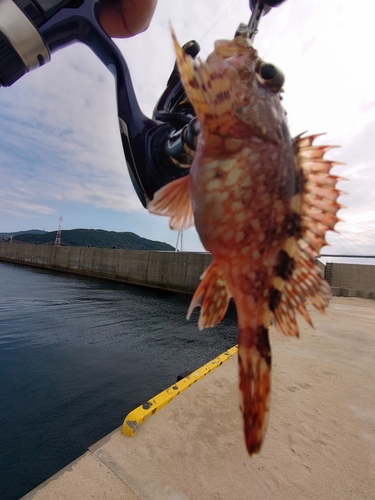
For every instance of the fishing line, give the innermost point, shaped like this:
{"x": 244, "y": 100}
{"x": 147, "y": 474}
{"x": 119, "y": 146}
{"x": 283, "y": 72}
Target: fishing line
{"x": 215, "y": 23}
{"x": 363, "y": 231}
{"x": 360, "y": 224}
{"x": 349, "y": 240}
{"x": 354, "y": 239}
{"x": 348, "y": 245}
{"x": 346, "y": 238}
{"x": 356, "y": 228}
{"x": 362, "y": 235}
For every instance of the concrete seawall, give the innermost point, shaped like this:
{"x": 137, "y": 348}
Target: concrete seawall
{"x": 351, "y": 280}
{"x": 175, "y": 271}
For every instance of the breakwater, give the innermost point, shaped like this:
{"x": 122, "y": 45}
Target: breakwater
{"x": 351, "y": 280}
{"x": 175, "y": 271}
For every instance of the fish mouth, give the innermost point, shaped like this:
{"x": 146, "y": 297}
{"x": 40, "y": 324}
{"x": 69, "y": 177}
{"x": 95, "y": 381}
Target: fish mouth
{"x": 226, "y": 49}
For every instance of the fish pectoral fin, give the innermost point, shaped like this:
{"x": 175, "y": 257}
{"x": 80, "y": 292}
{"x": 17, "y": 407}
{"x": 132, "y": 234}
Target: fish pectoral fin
{"x": 209, "y": 90}
{"x": 173, "y": 200}
{"x": 212, "y": 295}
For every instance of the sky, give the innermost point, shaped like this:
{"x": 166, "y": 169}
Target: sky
{"x": 60, "y": 148}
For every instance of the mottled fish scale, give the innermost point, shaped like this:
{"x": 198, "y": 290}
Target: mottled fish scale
{"x": 261, "y": 203}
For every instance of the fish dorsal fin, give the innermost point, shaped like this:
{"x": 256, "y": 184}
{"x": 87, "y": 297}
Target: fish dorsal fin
{"x": 212, "y": 295}
{"x": 318, "y": 194}
{"x": 209, "y": 90}
{"x": 314, "y": 213}
{"x": 173, "y": 200}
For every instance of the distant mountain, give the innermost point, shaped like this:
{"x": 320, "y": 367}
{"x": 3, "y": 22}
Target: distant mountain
{"x": 97, "y": 238}
{"x": 31, "y": 231}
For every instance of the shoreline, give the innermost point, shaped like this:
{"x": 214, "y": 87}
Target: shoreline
{"x": 320, "y": 443}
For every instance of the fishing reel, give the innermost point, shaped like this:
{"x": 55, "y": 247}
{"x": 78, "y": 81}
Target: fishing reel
{"x": 158, "y": 149}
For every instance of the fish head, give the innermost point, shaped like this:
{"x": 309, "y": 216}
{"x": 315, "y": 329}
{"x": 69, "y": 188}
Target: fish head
{"x": 256, "y": 87}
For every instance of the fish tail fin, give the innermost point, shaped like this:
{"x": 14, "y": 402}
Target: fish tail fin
{"x": 209, "y": 90}
{"x": 212, "y": 295}
{"x": 254, "y": 359}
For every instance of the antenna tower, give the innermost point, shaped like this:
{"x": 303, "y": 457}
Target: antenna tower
{"x": 58, "y": 234}
{"x": 178, "y": 239}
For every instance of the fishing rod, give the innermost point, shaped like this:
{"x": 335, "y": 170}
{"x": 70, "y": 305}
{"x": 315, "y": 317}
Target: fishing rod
{"x": 158, "y": 149}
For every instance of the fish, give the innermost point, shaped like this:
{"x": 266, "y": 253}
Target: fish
{"x": 261, "y": 202}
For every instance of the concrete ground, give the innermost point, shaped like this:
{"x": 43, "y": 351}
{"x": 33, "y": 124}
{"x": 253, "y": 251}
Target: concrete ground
{"x": 320, "y": 442}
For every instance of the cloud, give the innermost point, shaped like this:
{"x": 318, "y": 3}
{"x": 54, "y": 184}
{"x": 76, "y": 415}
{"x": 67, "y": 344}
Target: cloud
{"x": 60, "y": 143}
{"x": 60, "y": 148}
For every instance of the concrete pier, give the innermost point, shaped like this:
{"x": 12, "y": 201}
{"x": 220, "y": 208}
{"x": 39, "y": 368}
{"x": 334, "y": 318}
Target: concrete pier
{"x": 320, "y": 443}
{"x": 175, "y": 271}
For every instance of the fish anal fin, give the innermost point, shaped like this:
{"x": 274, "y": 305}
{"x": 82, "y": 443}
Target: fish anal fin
{"x": 212, "y": 295}
{"x": 305, "y": 284}
{"x": 283, "y": 306}
{"x": 298, "y": 280}
{"x": 173, "y": 200}
{"x": 254, "y": 359}
{"x": 286, "y": 320}
{"x": 209, "y": 90}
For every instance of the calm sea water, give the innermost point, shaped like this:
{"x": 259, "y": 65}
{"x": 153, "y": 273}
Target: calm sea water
{"x": 76, "y": 355}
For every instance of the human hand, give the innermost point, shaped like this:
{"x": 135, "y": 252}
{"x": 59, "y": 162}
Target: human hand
{"x": 126, "y": 18}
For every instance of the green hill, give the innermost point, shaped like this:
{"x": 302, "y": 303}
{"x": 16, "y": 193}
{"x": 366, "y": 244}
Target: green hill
{"x": 97, "y": 238}
{"x": 6, "y": 236}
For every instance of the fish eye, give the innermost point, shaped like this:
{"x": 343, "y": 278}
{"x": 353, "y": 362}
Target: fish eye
{"x": 268, "y": 71}
{"x": 271, "y": 76}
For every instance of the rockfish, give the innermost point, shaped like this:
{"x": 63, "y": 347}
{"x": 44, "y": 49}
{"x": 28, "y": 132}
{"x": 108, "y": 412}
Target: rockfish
{"x": 261, "y": 202}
